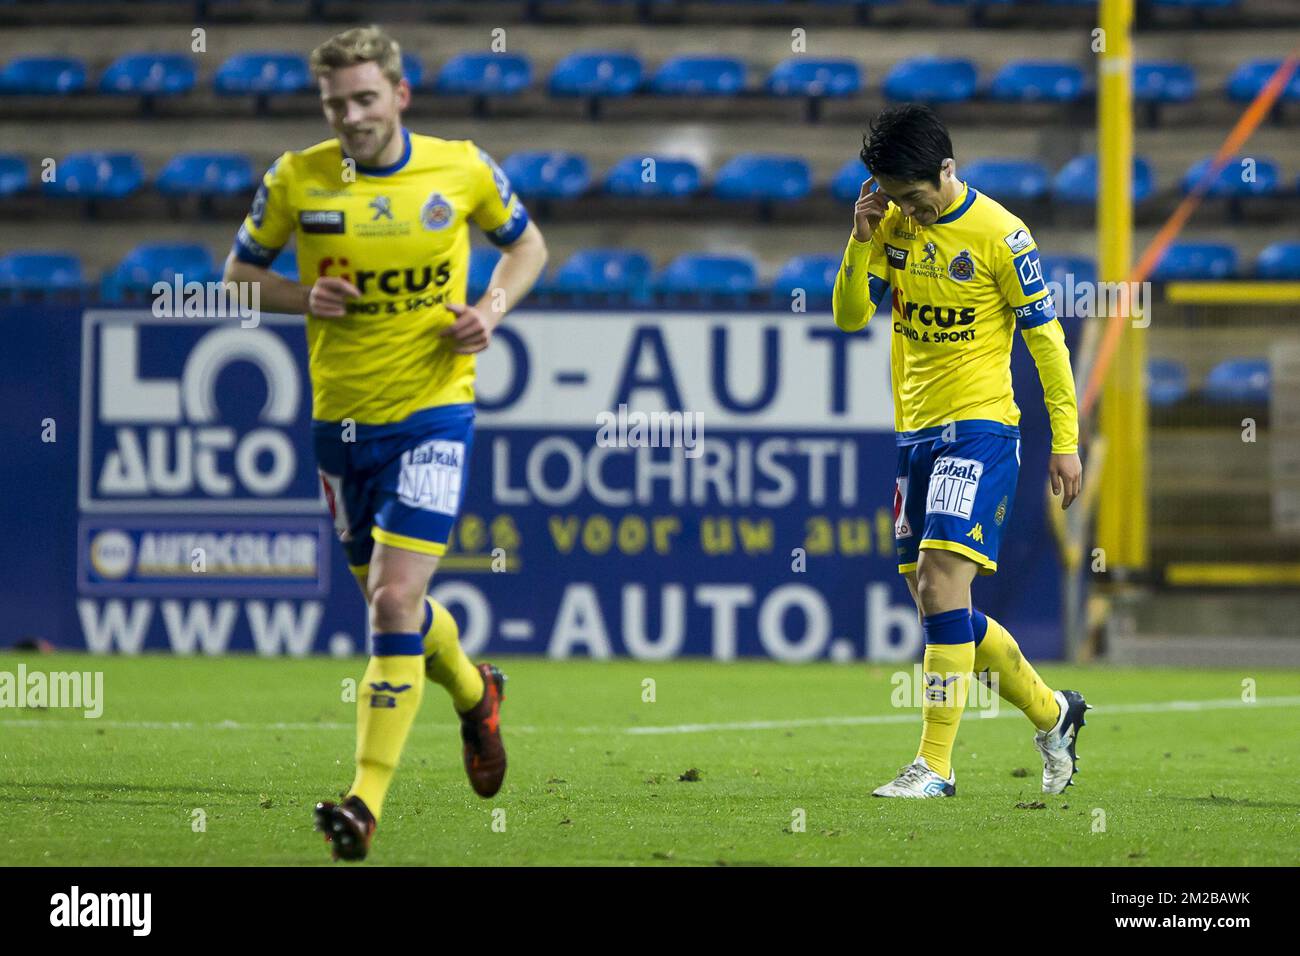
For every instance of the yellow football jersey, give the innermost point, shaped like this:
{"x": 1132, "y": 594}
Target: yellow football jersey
{"x": 400, "y": 234}
{"x": 960, "y": 289}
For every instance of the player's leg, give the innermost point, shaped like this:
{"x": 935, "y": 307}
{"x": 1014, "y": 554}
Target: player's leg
{"x": 943, "y": 580}
{"x": 918, "y": 779}
{"x": 420, "y": 493}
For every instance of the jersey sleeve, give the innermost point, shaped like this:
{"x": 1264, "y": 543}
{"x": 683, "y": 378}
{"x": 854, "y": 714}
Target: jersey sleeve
{"x": 862, "y": 282}
{"x": 270, "y": 222}
{"x": 1019, "y": 274}
{"x": 497, "y": 210}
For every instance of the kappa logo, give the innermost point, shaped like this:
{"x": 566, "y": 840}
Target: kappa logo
{"x": 935, "y": 687}
{"x": 976, "y": 533}
{"x": 384, "y": 695}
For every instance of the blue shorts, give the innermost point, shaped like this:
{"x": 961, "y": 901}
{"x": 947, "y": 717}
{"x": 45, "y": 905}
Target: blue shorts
{"x": 955, "y": 496}
{"x": 401, "y": 484}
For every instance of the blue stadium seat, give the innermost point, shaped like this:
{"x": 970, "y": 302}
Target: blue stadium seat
{"x": 1006, "y": 178}
{"x": 485, "y": 74}
{"x": 848, "y": 180}
{"x": 815, "y": 274}
{"x": 1281, "y": 260}
{"x": 932, "y": 80}
{"x": 1069, "y": 272}
{"x": 1231, "y": 180}
{"x": 1076, "y": 182}
{"x": 1027, "y": 81}
{"x": 755, "y": 176}
{"x": 482, "y": 260}
{"x": 1159, "y": 82}
{"x": 543, "y": 174}
{"x": 1250, "y": 77}
{"x": 704, "y": 276}
{"x": 263, "y": 74}
{"x": 601, "y": 273}
{"x": 13, "y": 175}
{"x": 40, "y": 272}
{"x": 1196, "y": 260}
{"x": 206, "y": 174}
{"x": 97, "y": 175}
{"x": 286, "y": 264}
{"x": 149, "y": 74}
{"x": 413, "y": 70}
{"x": 596, "y": 73}
{"x": 1166, "y": 382}
{"x": 802, "y": 76}
{"x": 43, "y": 76}
{"x": 1239, "y": 380}
{"x": 672, "y": 177}
{"x": 1190, "y": 4}
{"x": 693, "y": 75}
{"x": 157, "y": 262}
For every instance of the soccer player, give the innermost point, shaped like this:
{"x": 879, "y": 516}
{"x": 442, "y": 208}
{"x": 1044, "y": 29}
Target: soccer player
{"x": 381, "y": 216}
{"x": 965, "y": 275}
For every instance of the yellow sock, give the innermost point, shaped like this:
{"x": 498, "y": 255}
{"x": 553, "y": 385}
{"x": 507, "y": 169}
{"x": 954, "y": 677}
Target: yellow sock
{"x": 445, "y": 661}
{"x": 387, "y": 703}
{"x": 949, "y": 659}
{"x": 1017, "y": 681}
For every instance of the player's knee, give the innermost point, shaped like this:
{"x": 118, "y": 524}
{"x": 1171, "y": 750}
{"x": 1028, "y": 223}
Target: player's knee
{"x": 936, "y": 587}
{"x": 394, "y": 608}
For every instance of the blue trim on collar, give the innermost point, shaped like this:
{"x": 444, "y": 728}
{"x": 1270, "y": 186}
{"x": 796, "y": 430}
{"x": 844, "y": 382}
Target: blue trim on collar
{"x": 956, "y": 213}
{"x": 392, "y": 167}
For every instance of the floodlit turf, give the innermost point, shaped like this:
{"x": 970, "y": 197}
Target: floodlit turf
{"x": 253, "y": 743}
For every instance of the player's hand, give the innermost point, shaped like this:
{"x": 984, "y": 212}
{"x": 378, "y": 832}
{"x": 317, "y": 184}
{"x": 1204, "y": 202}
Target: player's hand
{"x": 868, "y": 211}
{"x": 329, "y": 295}
{"x": 1066, "y": 473}
{"x": 471, "y": 331}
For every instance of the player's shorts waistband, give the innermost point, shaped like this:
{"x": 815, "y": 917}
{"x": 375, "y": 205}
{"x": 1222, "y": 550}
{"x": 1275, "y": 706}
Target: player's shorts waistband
{"x": 968, "y": 426}
{"x": 437, "y": 415}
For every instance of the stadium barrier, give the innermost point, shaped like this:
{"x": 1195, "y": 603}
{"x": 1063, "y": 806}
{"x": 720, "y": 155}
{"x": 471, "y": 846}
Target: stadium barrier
{"x": 163, "y": 495}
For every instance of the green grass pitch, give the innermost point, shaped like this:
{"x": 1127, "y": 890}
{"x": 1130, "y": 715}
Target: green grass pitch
{"x": 595, "y": 771}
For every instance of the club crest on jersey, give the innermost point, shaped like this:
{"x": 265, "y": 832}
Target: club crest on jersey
{"x": 437, "y": 212}
{"x": 962, "y": 267}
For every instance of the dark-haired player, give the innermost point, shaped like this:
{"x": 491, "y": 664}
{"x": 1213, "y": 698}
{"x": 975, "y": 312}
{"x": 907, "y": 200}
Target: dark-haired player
{"x": 382, "y": 222}
{"x": 965, "y": 276}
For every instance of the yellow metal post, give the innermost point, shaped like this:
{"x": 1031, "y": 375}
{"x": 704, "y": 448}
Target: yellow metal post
{"x": 1122, "y": 517}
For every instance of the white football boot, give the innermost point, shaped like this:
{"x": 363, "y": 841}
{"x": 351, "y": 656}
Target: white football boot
{"x": 1057, "y": 745}
{"x": 917, "y": 780}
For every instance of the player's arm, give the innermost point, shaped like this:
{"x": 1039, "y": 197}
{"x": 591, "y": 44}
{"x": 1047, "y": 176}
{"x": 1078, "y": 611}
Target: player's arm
{"x": 264, "y": 232}
{"x": 1020, "y": 274}
{"x": 504, "y": 220}
{"x": 862, "y": 281}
